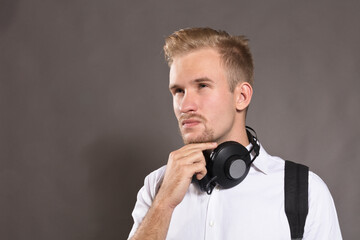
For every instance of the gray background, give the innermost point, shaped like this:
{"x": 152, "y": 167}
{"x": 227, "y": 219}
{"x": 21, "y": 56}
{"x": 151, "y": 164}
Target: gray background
{"x": 86, "y": 113}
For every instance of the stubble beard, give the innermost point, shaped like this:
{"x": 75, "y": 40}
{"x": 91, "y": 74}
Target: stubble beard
{"x": 206, "y": 136}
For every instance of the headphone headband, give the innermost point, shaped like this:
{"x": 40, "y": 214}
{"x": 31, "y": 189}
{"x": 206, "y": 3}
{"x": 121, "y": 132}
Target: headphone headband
{"x": 254, "y": 142}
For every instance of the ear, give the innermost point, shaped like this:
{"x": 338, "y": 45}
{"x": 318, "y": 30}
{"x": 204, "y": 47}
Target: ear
{"x": 243, "y": 94}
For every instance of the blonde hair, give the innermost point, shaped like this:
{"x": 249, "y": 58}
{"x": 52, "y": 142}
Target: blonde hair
{"x": 234, "y": 51}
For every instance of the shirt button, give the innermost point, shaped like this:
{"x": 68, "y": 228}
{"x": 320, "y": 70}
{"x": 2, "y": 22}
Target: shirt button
{"x": 211, "y": 223}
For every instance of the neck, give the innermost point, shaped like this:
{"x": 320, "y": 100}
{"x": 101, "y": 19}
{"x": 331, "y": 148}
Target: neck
{"x": 242, "y": 137}
{"x": 238, "y": 135}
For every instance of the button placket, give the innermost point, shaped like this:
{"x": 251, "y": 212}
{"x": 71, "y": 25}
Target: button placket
{"x": 211, "y": 215}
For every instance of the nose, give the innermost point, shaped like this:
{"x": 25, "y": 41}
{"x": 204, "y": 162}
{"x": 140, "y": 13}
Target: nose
{"x": 188, "y": 103}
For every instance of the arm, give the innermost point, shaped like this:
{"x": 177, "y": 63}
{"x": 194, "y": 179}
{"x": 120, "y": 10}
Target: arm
{"x": 156, "y": 222}
{"x": 182, "y": 165}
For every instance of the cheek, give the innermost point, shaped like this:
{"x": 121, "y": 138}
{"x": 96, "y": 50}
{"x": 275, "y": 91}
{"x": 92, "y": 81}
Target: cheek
{"x": 221, "y": 110}
{"x": 176, "y": 108}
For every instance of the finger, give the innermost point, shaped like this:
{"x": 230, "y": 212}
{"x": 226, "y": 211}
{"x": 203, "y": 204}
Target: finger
{"x": 198, "y": 169}
{"x": 201, "y": 146}
{"x": 191, "y": 148}
{"x": 200, "y": 176}
{"x": 195, "y": 157}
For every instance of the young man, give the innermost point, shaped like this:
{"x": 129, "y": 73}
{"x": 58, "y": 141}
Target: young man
{"x": 211, "y": 77}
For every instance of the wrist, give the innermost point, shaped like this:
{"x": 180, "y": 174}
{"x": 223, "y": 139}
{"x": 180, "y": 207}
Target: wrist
{"x": 163, "y": 203}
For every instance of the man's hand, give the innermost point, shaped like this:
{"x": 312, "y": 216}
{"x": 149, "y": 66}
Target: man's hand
{"x": 182, "y": 165}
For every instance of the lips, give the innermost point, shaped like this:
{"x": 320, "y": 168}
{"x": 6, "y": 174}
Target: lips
{"x": 190, "y": 123}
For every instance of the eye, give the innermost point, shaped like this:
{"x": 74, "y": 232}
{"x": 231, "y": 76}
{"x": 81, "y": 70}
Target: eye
{"x": 202, "y": 85}
{"x": 178, "y": 90}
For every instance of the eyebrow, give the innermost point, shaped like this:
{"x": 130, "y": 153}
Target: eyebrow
{"x": 198, "y": 80}
{"x": 204, "y": 79}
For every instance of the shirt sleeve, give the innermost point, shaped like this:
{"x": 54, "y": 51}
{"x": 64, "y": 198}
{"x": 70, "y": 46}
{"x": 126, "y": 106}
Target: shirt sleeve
{"x": 322, "y": 221}
{"x": 145, "y": 197}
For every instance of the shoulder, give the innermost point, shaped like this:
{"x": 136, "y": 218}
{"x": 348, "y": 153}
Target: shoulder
{"x": 152, "y": 183}
{"x": 147, "y": 193}
{"x": 146, "y": 196}
{"x": 320, "y": 199}
{"x": 322, "y": 221}
{"x": 318, "y": 190}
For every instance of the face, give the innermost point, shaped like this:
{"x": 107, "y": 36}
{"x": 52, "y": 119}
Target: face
{"x": 203, "y": 103}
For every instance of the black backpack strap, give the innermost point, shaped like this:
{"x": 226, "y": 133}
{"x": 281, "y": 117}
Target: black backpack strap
{"x": 296, "y": 197}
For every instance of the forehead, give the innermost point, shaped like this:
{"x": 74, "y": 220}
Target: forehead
{"x": 197, "y": 64}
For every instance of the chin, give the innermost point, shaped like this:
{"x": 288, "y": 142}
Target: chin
{"x": 202, "y": 138}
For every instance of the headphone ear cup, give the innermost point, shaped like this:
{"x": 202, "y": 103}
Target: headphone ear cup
{"x": 230, "y": 163}
{"x": 235, "y": 168}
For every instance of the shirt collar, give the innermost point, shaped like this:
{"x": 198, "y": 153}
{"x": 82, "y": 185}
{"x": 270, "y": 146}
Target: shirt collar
{"x": 261, "y": 162}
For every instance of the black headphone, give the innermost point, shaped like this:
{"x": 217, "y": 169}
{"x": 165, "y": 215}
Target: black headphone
{"x": 228, "y": 164}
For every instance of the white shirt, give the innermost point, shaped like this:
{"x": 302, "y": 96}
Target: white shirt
{"x": 254, "y": 209}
